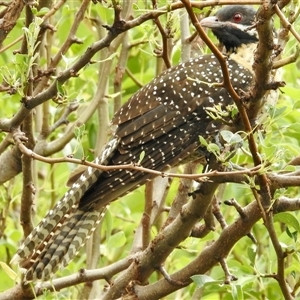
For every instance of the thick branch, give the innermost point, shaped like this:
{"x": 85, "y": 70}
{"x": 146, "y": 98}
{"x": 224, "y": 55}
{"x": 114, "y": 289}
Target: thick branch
{"x": 9, "y": 20}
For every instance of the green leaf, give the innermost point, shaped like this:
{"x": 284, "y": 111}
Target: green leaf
{"x": 60, "y": 90}
{"x": 117, "y": 240}
{"x": 108, "y": 58}
{"x": 226, "y": 135}
{"x": 79, "y": 131}
{"x": 277, "y": 111}
{"x": 201, "y": 280}
{"x": 231, "y": 138}
{"x": 297, "y": 103}
{"x": 213, "y": 148}
{"x": 8, "y": 270}
{"x": 287, "y": 219}
{"x": 42, "y": 11}
{"x": 203, "y": 141}
{"x": 142, "y": 155}
{"x": 68, "y": 60}
{"x": 293, "y": 235}
{"x": 251, "y": 255}
{"x": 292, "y": 91}
{"x": 135, "y": 7}
{"x": 237, "y": 292}
{"x": 108, "y": 224}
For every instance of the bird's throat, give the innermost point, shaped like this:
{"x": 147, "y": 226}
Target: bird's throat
{"x": 244, "y": 55}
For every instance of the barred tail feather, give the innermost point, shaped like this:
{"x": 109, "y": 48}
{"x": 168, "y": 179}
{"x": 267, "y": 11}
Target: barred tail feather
{"x": 56, "y": 216}
{"x": 41, "y": 231}
{"x": 46, "y": 235}
{"x": 63, "y": 245}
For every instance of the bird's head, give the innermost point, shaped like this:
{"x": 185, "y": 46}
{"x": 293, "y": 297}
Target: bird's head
{"x": 231, "y": 26}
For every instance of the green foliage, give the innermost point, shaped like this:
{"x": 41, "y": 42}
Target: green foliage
{"x": 277, "y": 140}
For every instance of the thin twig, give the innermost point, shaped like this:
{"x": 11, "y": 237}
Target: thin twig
{"x": 286, "y": 24}
{"x": 250, "y": 172}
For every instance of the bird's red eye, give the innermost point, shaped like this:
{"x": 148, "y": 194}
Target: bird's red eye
{"x": 237, "y": 17}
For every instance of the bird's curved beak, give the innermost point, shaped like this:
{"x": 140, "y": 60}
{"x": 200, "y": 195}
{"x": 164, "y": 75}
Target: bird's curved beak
{"x": 211, "y": 22}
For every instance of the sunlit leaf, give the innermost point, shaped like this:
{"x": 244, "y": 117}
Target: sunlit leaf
{"x": 202, "y": 140}
{"x": 117, "y": 240}
{"x": 8, "y": 270}
{"x": 251, "y": 255}
{"x": 230, "y": 137}
{"x": 142, "y": 155}
{"x": 201, "y": 280}
{"x": 213, "y": 148}
{"x": 237, "y": 292}
{"x": 287, "y": 219}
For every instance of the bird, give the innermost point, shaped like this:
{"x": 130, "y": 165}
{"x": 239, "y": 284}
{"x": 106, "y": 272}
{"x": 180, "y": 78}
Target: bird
{"x": 158, "y": 128}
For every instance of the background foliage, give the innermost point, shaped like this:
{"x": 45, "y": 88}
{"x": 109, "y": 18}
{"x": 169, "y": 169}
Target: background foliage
{"x": 75, "y": 123}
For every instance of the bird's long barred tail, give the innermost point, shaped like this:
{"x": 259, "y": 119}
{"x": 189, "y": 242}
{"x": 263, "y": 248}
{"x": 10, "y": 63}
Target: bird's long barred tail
{"x": 63, "y": 245}
{"x": 61, "y": 219}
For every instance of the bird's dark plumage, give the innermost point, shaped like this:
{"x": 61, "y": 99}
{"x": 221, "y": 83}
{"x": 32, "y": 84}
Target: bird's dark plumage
{"x": 163, "y": 120}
